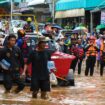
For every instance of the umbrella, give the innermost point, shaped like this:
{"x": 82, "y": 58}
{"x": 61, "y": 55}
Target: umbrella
{"x": 101, "y": 26}
{"x": 57, "y": 26}
{"x": 80, "y": 29}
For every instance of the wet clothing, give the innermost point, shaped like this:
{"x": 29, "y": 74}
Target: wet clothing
{"x": 90, "y": 63}
{"x": 10, "y": 78}
{"x": 40, "y": 73}
{"x": 14, "y": 57}
{"x": 91, "y": 53}
{"x": 43, "y": 85}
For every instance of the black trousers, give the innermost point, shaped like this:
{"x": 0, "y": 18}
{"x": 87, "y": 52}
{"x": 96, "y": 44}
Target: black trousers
{"x": 43, "y": 85}
{"x": 10, "y": 78}
{"x": 102, "y": 64}
{"x": 90, "y": 63}
{"x": 73, "y": 64}
{"x": 79, "y": 66}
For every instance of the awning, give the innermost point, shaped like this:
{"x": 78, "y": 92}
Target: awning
{"x": 18, "y": 1}
{"x": 91, "y": 4}
{"x": 70, "y": 13}
{"x": 63, "y": 5}
{"x": 36, "y": 2}
{"x": 3, "y": 1}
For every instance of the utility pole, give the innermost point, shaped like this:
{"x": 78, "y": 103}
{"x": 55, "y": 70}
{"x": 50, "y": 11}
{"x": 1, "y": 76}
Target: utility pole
{"x": 53, "y": 11}
{"x": 91, "y": 23}
{"x": 11, "y": 9}
{"x": 10, "y": 29}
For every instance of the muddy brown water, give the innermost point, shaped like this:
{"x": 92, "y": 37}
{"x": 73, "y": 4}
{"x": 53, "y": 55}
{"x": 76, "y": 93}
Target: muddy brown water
{"x": 88, "y": 91}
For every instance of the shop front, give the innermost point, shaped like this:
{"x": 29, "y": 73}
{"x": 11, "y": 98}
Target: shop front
{"x": 75, "y": 12}
{"x": 70, "y": 12}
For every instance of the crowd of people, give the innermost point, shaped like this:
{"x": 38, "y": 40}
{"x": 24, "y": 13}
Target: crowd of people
{"x": 14, "y": 50}
{"x": 89, "y": 47}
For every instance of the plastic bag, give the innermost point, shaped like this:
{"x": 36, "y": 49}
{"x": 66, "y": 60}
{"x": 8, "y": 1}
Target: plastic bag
{"x": 51, "y": 65}
{"x": 5, "y": 64}
{"x": 53, "y": 79}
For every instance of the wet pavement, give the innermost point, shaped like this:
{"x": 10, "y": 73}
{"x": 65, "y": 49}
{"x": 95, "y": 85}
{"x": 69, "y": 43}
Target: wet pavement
{"x": 88, "y": 91}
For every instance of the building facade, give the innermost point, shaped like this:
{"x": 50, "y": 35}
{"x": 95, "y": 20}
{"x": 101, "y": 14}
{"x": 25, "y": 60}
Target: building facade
{"x": 75, "y": 12}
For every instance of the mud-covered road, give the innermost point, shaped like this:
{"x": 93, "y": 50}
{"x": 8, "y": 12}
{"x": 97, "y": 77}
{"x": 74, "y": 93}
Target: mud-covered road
{"x": 87, "y": 91}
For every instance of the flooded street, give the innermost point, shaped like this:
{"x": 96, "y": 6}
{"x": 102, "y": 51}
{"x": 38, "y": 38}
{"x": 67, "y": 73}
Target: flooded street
{"x": 88, "y": 91}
